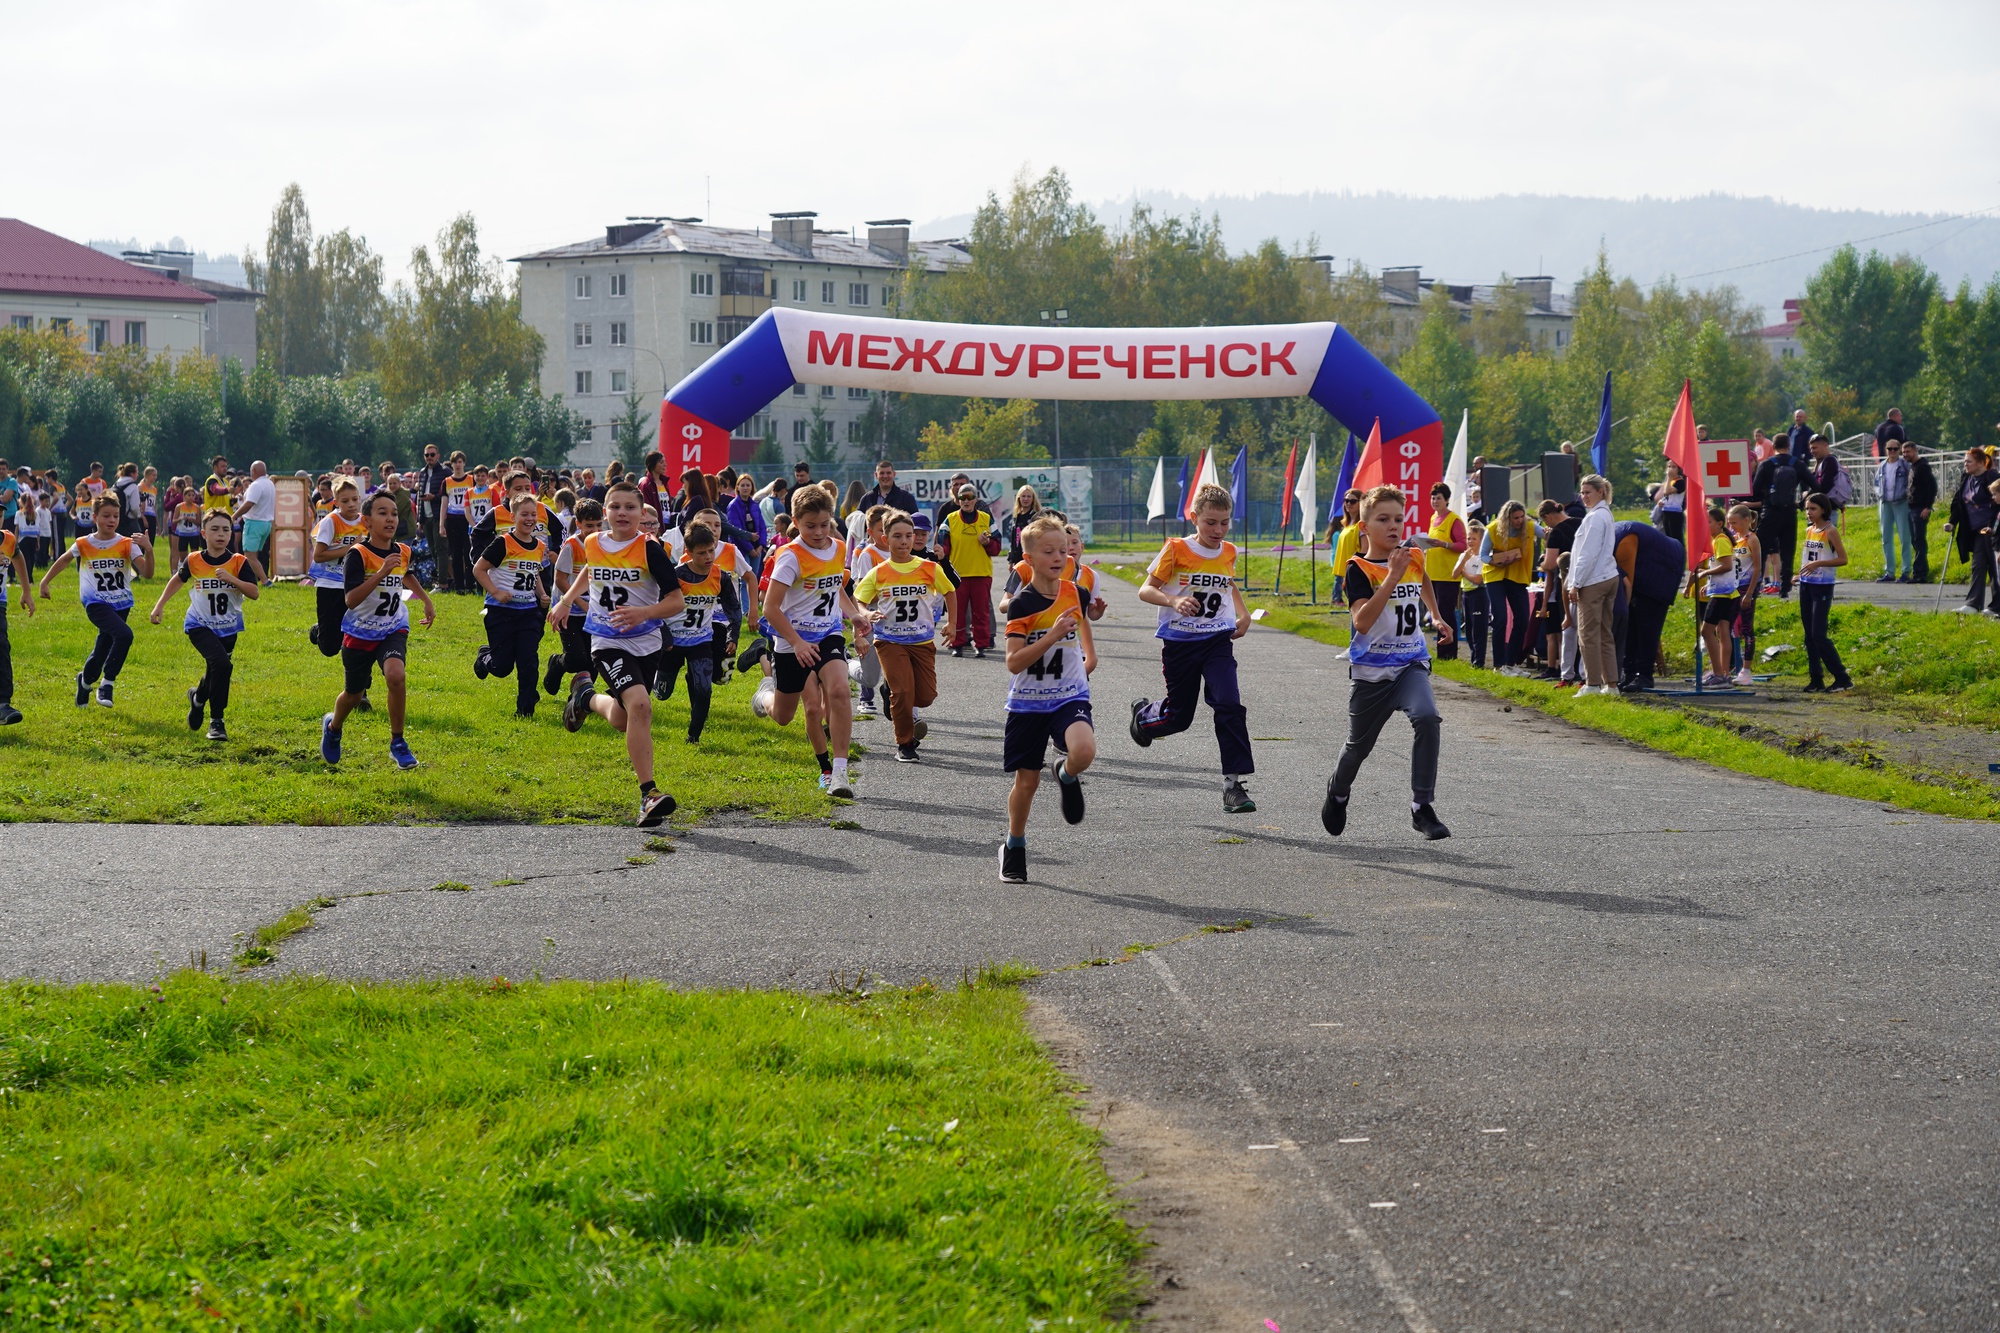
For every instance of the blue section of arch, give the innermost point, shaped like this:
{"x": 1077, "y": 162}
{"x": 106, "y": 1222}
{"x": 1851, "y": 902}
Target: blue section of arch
{"x": 741, "y": 380}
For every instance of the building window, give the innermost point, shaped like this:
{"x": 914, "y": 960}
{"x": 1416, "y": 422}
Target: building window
{"x": 582, "y": 383}
{"x": 760, "y": 426}
{"x": 798, "y": 391}
{"x": 799, "y": 431}
{"x": 1562, "y": 337}
{"x": 826, "y": 293}
{"x": 60, "y": 325}
{"x": 729, "y": 326}
{"x": 826, "y": 391}
{"x": 853, "y": 392}
{"x": 617, "y": 285}
{"x": 583, "y": 286}
{"x": 857, "y": 293}
{"x": 583, "y": 335}
{"x": 26, "y": 323}
{"x": 618, "y": 381}
{"x": 701, "y": 284}
{"x": 617, "y": 334}
{"x": 798, "y": 289}
{"x": 854, "y": 432}
{"x": 135, "y": 333}
{"x": 888, "y": 296}
{"x": 701, "y": 331}
{"x": 100, "y": 334}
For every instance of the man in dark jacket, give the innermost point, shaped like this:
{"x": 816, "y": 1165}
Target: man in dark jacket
{"x": 1923, "y": 499}
{"x": 1800, "y": 434}
{"x": 1889, "y": 435}
{"x": 1653, "y": 567}
{"x": 887, "y": 492}
{"x": 1774, "y": 490}
{"x": 1974, "y": 513}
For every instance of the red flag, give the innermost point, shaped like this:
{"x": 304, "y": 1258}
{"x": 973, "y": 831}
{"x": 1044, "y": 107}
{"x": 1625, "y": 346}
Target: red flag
{"x": 1204, "y": 475}
{"x": 1291, "y": 468}
{"x": 1683, "y": 449}
{"x": 1369, "y": 471}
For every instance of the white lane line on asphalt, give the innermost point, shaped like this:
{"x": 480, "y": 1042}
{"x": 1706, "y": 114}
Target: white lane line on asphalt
{"x": 1378, "y": 1263}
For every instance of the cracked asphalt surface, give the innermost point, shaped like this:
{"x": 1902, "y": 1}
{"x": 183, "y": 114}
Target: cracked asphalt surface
{"x": 1643, "y": 1046}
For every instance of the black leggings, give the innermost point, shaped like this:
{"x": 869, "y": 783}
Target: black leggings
{"x": 1511, "y": 648}
{"x": 218, "y": 651}
{"x": 1815, "y": 605}
{"x": 458, "y": 536}
{"x": 114, "y": 640}
{"x": 331, "y": 604}
{"x": 700, "y": 663}
{"x": 514, "y": 647}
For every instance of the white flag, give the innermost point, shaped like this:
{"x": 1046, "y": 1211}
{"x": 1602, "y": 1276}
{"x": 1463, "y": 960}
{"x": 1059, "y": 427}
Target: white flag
{"x": 1306, "y": 490}
{"x": 1454, "y": 471}
{"x": 1156, "y": 499}
{"x": 1204, "y": 475}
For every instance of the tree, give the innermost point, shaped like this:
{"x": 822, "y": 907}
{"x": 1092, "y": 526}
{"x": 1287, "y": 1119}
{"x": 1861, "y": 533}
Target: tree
{"x": 988, "y": 430}
{"x": 1960, "y": 387}
{"x": 458, "y": 323}
{"x": 1442, "y": 365}
{"x": 16, "y": 443}
{"x": 322, "y": 303}
{"x": 820, "y": 450}
{"x": 1513, "y": 407}
{"x": 1180, "y": 426}
{"x": 350, "y": 286}
{"x": 632, "y": 434}
{"x": 1862, "y": 324}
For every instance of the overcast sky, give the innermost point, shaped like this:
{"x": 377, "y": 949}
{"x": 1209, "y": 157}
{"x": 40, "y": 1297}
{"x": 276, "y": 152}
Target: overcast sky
{"x": 549, "y": 120}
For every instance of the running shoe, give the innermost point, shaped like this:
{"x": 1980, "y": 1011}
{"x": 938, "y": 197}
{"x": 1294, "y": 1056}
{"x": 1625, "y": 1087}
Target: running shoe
{"x": 363, "y": 706}
{"x": 104, "y": 694}
{"x": 217, "y": 732}
{"x": 923, "y": 728}
{"x": 9, "y": 715}
{"x": 1841, "y": 686}
{"x": 887, "y": 711}
{"x": 1744, "y": 677}
{"x": 1235, "y": 800}
{"x": 1333, "y": 813}
{"x": 1425, "y": 821}
{"x": 751, "y": 656}
{"x": 552, "y": 678}
{"x": 1814, "y": 688}
{"x": 958, "y": 650}
{"x": 82, "y": 690}
{"x": 577, "y": 706}
{"x": 482, "y": 665}
{"x": 654, "y": 807}
{"x": 1013, "y": 864}
{"x": 1072, "y": 796}
{"x": 312, "y": 635}
{"x": 826, "y": 782}
{"x": 1714, "y": 679}
{"x": 840, "y": 787}
{"x": 766, "y": 695}
{"x": 979, "y": 653}
{"x": 329, "y": 740}
{"x": 399, "y": 750}
{"x": 1771, "y": 588}
{"x": 194, "y": 708}
{"x": 864, "y": 711}
{"x": 1137, "y": 725}
{"x": 906, "y": 754}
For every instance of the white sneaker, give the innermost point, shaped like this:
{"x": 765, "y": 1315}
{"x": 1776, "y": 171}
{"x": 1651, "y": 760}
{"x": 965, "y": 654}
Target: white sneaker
{"x": 767, "y": 693}
{"x": 1744, "y": 677}
{"x": 1967, "y": 610}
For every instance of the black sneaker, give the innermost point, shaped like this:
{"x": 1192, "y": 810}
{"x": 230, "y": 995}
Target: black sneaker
{"x": 104, "y": 694}
{"x": 979, "y": 653}
{"x": 312, "y": 635}
{"x": 907, "y": 754}
{"x": 9, "y": 715}
{"x": 217, "y": 732}
{"x": 82, "y": 690}
{"x": 885, "y": 700}
{"x": 958, "y": 650}
{"x": 1332, "y": 813}
{"x": 751, "y": 656}
{"x": 552, "y": 678}
{"x": 1425, "y": 821}
{"x": 1139, "y": 737}
{"x": 1013, "y": 864}
{"x": 577, "y": 707}
{"x": 363, "y": 706}
{"x": 654, "y": 807}
{"x": 1840, "y": 686}
{"x": 1072, "y": 796}
{"x": 483, "y": 663}
{"x": 1814, "y": 688}
{"x": 922, "y": 728}
{"x": 194, "y": 708}
{"x": 1236, "y": 801}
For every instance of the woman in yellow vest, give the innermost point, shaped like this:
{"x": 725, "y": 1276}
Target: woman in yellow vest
{"x": 1343, "y": 539}
{"x": 1441, "y": 562}
{"x": 1507, "y": 558}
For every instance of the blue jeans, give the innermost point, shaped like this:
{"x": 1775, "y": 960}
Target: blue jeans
{"x": 1894, "y": 516}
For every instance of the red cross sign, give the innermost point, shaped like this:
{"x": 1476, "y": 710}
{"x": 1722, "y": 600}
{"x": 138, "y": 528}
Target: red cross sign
{"x": 1725, "y": 468}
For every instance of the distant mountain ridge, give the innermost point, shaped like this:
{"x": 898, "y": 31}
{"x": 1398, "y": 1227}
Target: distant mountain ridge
{"x": 1720, "y": 237}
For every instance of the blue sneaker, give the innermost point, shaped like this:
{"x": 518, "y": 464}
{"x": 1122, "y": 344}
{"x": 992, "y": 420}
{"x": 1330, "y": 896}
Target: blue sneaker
{"x": 329, "y": 740}
{"x": 399, "y": 750}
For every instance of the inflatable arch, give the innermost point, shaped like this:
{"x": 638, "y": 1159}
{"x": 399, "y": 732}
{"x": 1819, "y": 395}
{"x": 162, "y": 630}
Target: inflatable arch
{"x": 786, "y": 347}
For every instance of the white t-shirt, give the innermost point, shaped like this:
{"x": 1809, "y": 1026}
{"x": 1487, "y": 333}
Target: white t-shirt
{"x": 261, "y": 495}
{"x": 41, "y": 525}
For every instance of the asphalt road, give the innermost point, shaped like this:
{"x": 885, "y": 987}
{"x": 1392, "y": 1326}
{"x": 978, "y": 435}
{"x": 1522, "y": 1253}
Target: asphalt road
{"x": 1643, "y": 1046}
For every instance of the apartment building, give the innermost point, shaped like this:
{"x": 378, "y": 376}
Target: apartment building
{"x": 47, "y": 281}
{"x": 1549, "y": 314}
{"x": 640, "y": 308}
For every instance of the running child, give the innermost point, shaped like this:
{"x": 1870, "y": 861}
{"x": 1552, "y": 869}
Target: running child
{"x": 1082, "y": 575}
{"x": 186, "y": 529}
{"x": 105, "y": 564}
{"x": 1388, "y": 661}
{"x": 484, "y": 497}
{"x": 217, "y": 582}
{"x": 573, "y": 654}
{"x": 13, "y": 566}
{"x": 629, "y": 585}
{"x": 1050, "y": 657}
{"x": 457, "y": 531}
{"x": 729, "y": 558}
{"x": 864, "y": 558}
{"x": 1193, "y": 582}
{"x": 706, "y": 589}
{"x": 905, "y": 628}
{"x": 332, "y": 537}
{"x": 805, "y": 606}
{"x": 376, "y": 628}
{"x": 510, "y": 570}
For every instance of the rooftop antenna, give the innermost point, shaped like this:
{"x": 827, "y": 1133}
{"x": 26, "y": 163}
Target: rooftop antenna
{"x": 708, "y": 192}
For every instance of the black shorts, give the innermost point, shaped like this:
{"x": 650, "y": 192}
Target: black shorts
{"x": 1721, "y": 610}
{"x": 791, "y": 677}
{"x": 1028, "y": 735}
{"x": 359, "y": 663}
{"x": 622, "y": 670}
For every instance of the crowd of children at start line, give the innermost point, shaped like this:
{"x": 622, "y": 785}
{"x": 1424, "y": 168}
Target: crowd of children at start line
{"x": 634, "y": 607}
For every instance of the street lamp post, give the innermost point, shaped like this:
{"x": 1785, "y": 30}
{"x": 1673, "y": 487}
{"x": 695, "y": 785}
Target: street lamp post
{"x": 1057, "y": 319}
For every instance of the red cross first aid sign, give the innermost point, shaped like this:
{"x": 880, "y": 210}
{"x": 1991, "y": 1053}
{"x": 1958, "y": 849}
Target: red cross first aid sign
{"x": 1726, "y": 468}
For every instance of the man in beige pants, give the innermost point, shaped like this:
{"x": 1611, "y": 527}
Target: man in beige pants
{"x": 1593, "y": 573}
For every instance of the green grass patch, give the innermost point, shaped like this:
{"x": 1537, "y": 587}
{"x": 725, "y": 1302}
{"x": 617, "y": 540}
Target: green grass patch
{"x": 138, "y": 762}
{"x": 307, "y": 1154}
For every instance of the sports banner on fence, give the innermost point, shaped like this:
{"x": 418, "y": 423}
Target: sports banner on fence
{"x": 786, "y": 347}
{"x": 1067, "y": 489}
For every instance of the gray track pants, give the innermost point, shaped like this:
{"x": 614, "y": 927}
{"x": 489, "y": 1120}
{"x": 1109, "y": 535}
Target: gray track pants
{"x": 1369, "y": 704}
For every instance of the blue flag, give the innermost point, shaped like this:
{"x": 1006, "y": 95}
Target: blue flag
{"x": 1600, "y": 448}
{"x": 1349, "y": 461}
{"x": 1181, "y": 506}
{"x": 1239, "y": 487}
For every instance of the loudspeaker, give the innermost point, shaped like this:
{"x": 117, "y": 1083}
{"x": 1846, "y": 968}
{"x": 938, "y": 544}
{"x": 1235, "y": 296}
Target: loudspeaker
{"x": 1495, "y": 488}
{"x": 1559, "y": 477}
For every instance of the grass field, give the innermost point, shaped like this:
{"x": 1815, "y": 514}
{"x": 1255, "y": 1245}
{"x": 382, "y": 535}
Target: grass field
{"x": 311, "y": 1154}
{"x": 139, "y": 762}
